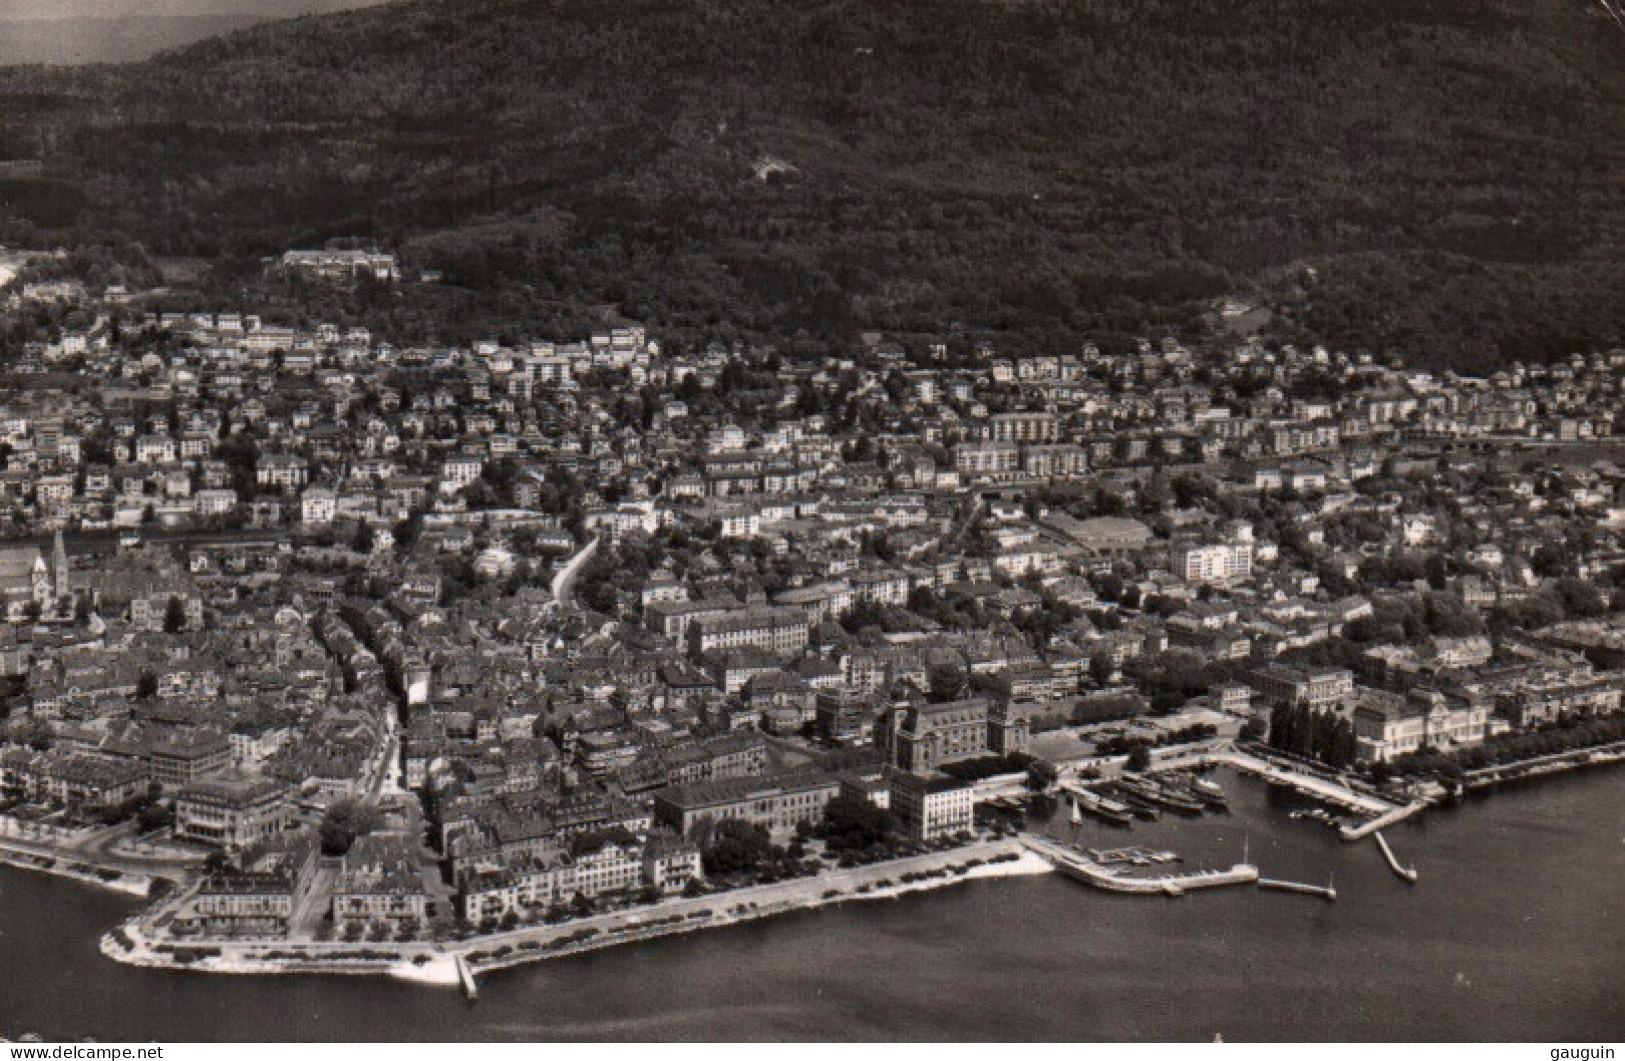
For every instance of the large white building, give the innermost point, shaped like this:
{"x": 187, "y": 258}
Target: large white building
{"x": 1387, "y": 725}
{"x": 780, "y": 630}
{"x": 1215, "y": 563}
{"x": 1218, "y": 562}
{"x": 232, "y": 813}
{"x": 932, "y": 805}
{"x": 318, "y": 505}
{"x": 342, "y": 264}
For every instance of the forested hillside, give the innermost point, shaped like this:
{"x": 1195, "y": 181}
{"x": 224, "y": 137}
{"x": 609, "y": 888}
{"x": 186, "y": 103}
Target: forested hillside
{"x": 1453, "y": 171}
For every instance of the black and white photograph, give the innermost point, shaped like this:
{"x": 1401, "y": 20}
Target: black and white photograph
{"x": 812, "y": 522}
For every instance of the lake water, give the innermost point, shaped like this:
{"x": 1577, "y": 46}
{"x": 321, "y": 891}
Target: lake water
{"x": 1516, "y": 931}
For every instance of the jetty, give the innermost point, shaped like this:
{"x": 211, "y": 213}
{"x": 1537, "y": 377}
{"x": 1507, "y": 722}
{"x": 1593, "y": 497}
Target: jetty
{"x": 1085, "y": 870}
{"x": 466, "y": 976}
{"x": 1328, "y": 893}
{"x": 1383, "y": 821}
{"x": 1405, "y": 873}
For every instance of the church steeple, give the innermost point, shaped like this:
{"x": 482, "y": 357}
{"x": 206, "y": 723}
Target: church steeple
{"x": 61, "y": 576}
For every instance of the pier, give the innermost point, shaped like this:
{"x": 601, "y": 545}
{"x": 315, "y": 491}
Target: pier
{"x": 1404, "y": 873}
{"x": 1085, "y": 870}
{"x": 1397, "y": 814}
{"x": 466, "y": 976}
{"x": 1328, "y": 893}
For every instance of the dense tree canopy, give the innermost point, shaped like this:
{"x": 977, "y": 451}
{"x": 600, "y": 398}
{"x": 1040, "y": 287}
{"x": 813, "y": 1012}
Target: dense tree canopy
{"x": 1435, "y": 177}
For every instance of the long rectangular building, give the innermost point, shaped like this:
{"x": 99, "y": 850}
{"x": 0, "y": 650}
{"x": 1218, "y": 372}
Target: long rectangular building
{"x": 779, "y": 630}
{"x": 778, "y": 804}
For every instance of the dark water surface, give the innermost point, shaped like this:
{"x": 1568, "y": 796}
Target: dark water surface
{"x": 1516, "y": 931}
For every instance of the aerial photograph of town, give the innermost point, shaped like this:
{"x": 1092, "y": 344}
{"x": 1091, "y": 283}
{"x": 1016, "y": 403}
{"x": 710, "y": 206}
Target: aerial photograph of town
{"x": 812, "y": 520}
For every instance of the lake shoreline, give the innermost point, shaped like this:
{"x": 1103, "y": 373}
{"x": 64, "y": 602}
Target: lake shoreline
{"x": 132, "y": 884}
{"x": 1024, "y": 865}
{"x": 902, "y": 971}
{"x": 433, "y": 963}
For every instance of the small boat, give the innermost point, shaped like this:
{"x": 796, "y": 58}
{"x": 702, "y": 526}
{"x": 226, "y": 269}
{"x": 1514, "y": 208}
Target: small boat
{"x": 1188, "y": 787}
{"x": 1147, "y": 811}
{"x": 1077, "y": 815}
{"x": 1209, "y": 792}
{"x": 1142, "y": 808}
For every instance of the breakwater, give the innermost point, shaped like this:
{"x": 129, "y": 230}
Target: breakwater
{"x": 1080, "y": 867}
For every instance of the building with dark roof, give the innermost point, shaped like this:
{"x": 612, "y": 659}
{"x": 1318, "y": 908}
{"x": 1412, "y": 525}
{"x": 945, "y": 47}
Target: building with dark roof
{"x": 778, "y": 804}
{"x": 931, "y": 806}
{"x": 232, "y": 813}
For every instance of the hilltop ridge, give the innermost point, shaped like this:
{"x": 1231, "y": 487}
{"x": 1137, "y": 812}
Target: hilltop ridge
{"x": 1450, "y": 169}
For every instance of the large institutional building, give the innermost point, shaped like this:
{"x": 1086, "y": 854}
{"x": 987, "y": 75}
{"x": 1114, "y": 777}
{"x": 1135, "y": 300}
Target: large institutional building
{"x": 778, "y": 804}
{"x": 919, "y": 738}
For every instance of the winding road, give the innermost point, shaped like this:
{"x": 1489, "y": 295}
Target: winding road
{"x": 564, "y": 581}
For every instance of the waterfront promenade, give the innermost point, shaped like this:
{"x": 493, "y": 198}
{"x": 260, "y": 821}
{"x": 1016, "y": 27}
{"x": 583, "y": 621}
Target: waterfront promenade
{"x": 881, "y": 880}
{"x": 1602, "y": 755}
{"x": 91, "y": 856}
{"x": 141, "y": 940}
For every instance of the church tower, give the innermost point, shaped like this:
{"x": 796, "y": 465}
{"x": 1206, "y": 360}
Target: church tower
{"x": 40, "y": 579}
{"x": 60, "y": 573}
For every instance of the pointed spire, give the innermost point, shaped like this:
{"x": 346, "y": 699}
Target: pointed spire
{"x": 59, "y": 566}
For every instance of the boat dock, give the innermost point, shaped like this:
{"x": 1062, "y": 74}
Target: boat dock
{"x": 1406, "y": 873}
{"x": 1397, "y": 814}
{"x": 1309, "y": 784}
{"x": 1085, "y": 870}
{"x": 466, "y": 976}
{"x": 1328, "y": 893}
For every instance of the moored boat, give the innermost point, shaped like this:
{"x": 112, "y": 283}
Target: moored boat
{"x": 1141, "y": 808}
{"x": 1105, "y": 809}
{"x": 1161, "y": 795}
{"x": 1209, "y": 792}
